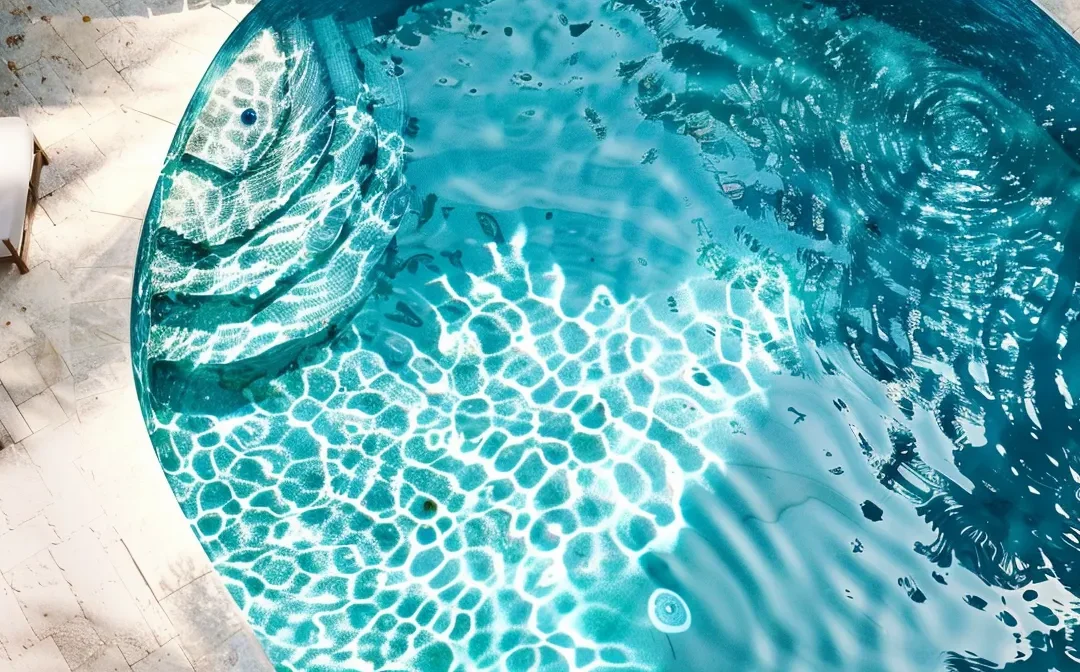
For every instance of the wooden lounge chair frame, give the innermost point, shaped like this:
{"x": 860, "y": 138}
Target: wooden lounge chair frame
{"x": 20, "y": 254}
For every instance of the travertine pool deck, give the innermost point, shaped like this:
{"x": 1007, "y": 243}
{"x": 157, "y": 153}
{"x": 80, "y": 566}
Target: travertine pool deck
{"x": 99, "y": 571}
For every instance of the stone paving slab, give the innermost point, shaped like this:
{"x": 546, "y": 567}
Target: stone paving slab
{"x": 99, "y": 571}
{"x": 169, "y": 658}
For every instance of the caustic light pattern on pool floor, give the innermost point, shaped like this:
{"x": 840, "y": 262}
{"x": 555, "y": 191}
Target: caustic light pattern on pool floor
{"x": 644, "y": 335}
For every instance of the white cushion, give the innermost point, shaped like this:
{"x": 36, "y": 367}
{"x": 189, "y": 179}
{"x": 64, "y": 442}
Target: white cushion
{"x": 17, "y": 150}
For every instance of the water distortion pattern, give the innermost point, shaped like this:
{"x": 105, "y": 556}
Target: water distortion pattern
{"x": 567, "y": 336}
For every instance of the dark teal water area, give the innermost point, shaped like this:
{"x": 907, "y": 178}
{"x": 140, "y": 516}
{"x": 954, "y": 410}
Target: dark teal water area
{"x": 646, "y": 335}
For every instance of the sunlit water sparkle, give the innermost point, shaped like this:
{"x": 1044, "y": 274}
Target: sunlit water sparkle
{"x": 641, "y": 335}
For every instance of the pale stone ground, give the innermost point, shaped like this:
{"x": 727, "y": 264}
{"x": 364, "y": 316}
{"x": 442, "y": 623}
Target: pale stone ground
{"x": 1065, "y": 12}
{"x": 99, "y": 571}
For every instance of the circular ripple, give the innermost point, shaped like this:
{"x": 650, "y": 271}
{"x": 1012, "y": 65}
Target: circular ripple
{"x": 940, "y": 147}
{"x": 668, "y": 612}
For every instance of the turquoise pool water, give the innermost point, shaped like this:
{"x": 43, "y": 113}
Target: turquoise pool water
{"x": 647, "y": 335}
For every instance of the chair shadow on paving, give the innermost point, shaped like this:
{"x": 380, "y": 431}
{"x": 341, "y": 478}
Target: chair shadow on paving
{"x": 64, "y": 71}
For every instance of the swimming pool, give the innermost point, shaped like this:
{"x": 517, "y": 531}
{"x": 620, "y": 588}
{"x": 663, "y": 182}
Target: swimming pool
{"x": 643, "y": 335}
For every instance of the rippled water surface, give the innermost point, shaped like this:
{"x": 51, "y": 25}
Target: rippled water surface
{"x": 645, "y": 335}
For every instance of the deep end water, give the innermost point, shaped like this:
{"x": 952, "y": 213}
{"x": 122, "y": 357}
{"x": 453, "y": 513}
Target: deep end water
{"x": 648, "y": 335}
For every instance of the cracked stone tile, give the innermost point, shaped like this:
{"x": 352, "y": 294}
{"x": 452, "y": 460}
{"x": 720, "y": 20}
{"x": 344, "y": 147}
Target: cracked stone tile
{"x": 113, "y": 433}
{"x": 1065, "y": 12}
{"x": 41, "y": 298}
{"x": 49, "y": 125}
{"x": 66, "y": 202}
{"x": 54, "y": 451}
{"x": 64, "y": 391}
{"x": 151, "y": 99}
{"x": 75, "y": 154}
{"x": 53, "y": 125}
{"x": 93, "y": 407}
{"x": 24, "y": 542}
{"x": 14, "y": 424}
{"x": 15, "y": 333}
{"x": 52, "y": 116}
{"x": 16, "y": 101}
{"x": 52, "y": 178}
{"x": 169, "y": 658}
{"x": 204, "y": 614}
{"x": 77, "y": 641}
{"x": 49, "y": 363}
{"x": 23, "y": 493}
{"x": 20, "y": 377}
{"x": 43, "y": 594}
{"x": 135, "y": 138}
{"x": 122, "y": 49}
{"x": 37, "y": 255}
{"x": 125, "y": 188}
{"x": 103, "y": 90}
{"x": 85, "y": 83}
{"x": 167, "y": 558}
{"x": 97, "y": 284}
{"x": 75, "y": 504}
{"x": 135, "y": 143}
{"x": 237, "y": 10}
{"x": 42, "y": 657}
{"x": 12, "y": 420}
{"x": 80, "y": 36}
{"x": 239, "y": 653}
{"x": 42, "y": 411}
{"x": 72, "y": 512}
{"x": 89, "y": 239}
{"x": 214, "y": 27}
{"x": 38, "y": 37}
{"x": 102, "y": 595}
{"x": 133, "y": 580}
{"x": 69, "y": 159}
{"x": 122, "y": 408}
{"x": 46, "y": 86}
{"x": 180, "y": 61}
{"x": 165, "y": 19}
{"x": 96, "y": 323}
{"x": 135, "y": 495}
{"x": 15, "y": 632}
{"x": 108, "y": 660}
{"x": 102, "y": 19}
{"x": 174, "y": 63}
{"x": 100, "y": 369}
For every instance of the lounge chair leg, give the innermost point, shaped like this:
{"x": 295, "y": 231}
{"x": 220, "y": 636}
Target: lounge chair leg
{"x": 38, "y": 149}
{"x": 16, "y": 257}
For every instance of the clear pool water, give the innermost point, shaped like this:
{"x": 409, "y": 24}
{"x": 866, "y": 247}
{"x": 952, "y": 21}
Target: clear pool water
{"x": 645, "y": 335}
